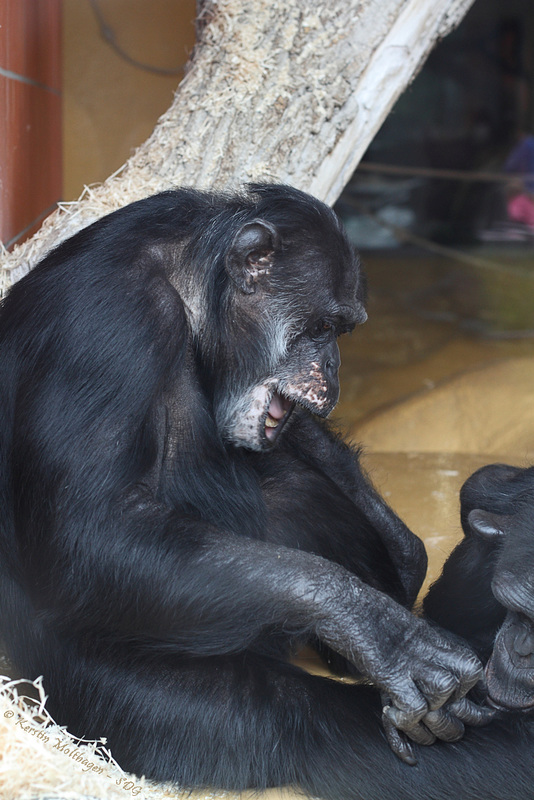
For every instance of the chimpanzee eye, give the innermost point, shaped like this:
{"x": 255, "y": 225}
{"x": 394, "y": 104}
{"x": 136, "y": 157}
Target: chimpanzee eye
{"x": 320, "y": 328}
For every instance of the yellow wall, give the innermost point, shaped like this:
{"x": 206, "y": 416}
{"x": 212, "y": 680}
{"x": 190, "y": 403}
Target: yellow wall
{"x": 110, "y": 106}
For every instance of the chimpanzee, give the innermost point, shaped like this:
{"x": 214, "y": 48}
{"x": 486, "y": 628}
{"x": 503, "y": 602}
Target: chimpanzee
{"x": 491, "y": 573}
{"x": 178, "y": 515}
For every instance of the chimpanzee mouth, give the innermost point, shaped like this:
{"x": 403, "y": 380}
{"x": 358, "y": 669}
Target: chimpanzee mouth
{"x": 278, "y": 413}
{"x": 510, "y": 669}
{"x": 505, "y": 709}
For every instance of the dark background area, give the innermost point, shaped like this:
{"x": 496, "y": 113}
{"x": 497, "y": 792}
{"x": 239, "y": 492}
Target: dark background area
{"x": 463, "y": 112}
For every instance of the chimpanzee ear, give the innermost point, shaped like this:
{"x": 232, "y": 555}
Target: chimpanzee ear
{"x": 488, "y": 526}
{"x": 251, "y": 253}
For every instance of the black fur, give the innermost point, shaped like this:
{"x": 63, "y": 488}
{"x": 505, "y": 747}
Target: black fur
{"x": 164, "y": 547}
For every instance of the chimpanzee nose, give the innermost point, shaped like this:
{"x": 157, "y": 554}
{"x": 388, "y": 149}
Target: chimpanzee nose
{"x": 524, "y": 642}
{"x": 332, "y": 363}
{"x": 330, "y": 367}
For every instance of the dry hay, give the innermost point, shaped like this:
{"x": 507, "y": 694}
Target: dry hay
{"x": 70, "y": 217}
{"x": 40, "y": 759}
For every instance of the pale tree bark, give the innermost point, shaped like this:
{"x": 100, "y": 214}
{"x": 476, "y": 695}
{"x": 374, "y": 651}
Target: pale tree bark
{"x": 290, "y": 91}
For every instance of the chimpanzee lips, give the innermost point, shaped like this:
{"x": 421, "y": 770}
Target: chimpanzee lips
{"x": 277, "y": 414}
{"x": 510, "y": 670}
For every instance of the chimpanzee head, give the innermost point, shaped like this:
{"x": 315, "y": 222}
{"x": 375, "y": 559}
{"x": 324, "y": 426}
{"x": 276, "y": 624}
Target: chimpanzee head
{"x": 293, "y": 285}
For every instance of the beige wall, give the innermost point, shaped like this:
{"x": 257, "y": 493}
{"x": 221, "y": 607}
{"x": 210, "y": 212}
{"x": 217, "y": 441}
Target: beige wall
{"x": 110, "y": 106}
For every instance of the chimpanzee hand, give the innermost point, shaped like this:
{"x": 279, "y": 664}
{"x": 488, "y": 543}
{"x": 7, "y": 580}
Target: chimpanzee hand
{"x": 426, "y": 696}
{"x": 445, "y": 713}
{"x": 446, "y": 723}
{"x": 424, "y": 674}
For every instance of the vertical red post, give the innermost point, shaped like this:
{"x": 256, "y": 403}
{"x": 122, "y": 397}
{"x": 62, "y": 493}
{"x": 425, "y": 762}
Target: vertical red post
{"x": 30, "y": 115}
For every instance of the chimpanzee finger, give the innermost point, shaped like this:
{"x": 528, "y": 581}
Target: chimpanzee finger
{"x": 438, "y": 688}
{"x": 470, "y": 672}
{"x": 417, "y": 732}
{"x": 447, "y": 723}
{"x": 444, "y": 725}
{"x": 406, "y": 704}
{"x": 397, "y": 742}
{"x": 470, "y": 713}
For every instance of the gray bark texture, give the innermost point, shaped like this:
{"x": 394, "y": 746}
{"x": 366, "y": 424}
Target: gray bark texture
{"x": 290, "y": 91}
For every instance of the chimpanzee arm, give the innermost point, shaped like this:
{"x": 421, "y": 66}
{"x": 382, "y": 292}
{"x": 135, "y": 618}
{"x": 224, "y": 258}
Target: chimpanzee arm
{"x": 319, "y": 444}
{"x": 202, "y": 591}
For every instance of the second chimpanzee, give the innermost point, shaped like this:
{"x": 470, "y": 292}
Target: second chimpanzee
{"x": 491, "y": 573}
{"x": 178, "y": 516}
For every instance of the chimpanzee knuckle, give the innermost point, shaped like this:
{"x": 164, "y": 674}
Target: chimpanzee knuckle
{"x": 402, "y": 720}
{"x": 437, "y": 687}
{"x": 470, "y": 671}
{"x": 408, "y": 707}
{"x": 462, "y": 663}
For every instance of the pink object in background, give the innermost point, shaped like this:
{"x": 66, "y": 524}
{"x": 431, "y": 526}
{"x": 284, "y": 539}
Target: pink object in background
{"x": 521, "y": 209}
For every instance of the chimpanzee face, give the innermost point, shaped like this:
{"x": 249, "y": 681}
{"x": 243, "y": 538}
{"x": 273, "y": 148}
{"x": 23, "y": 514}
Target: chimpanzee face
{"x": 293, "y": 297}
